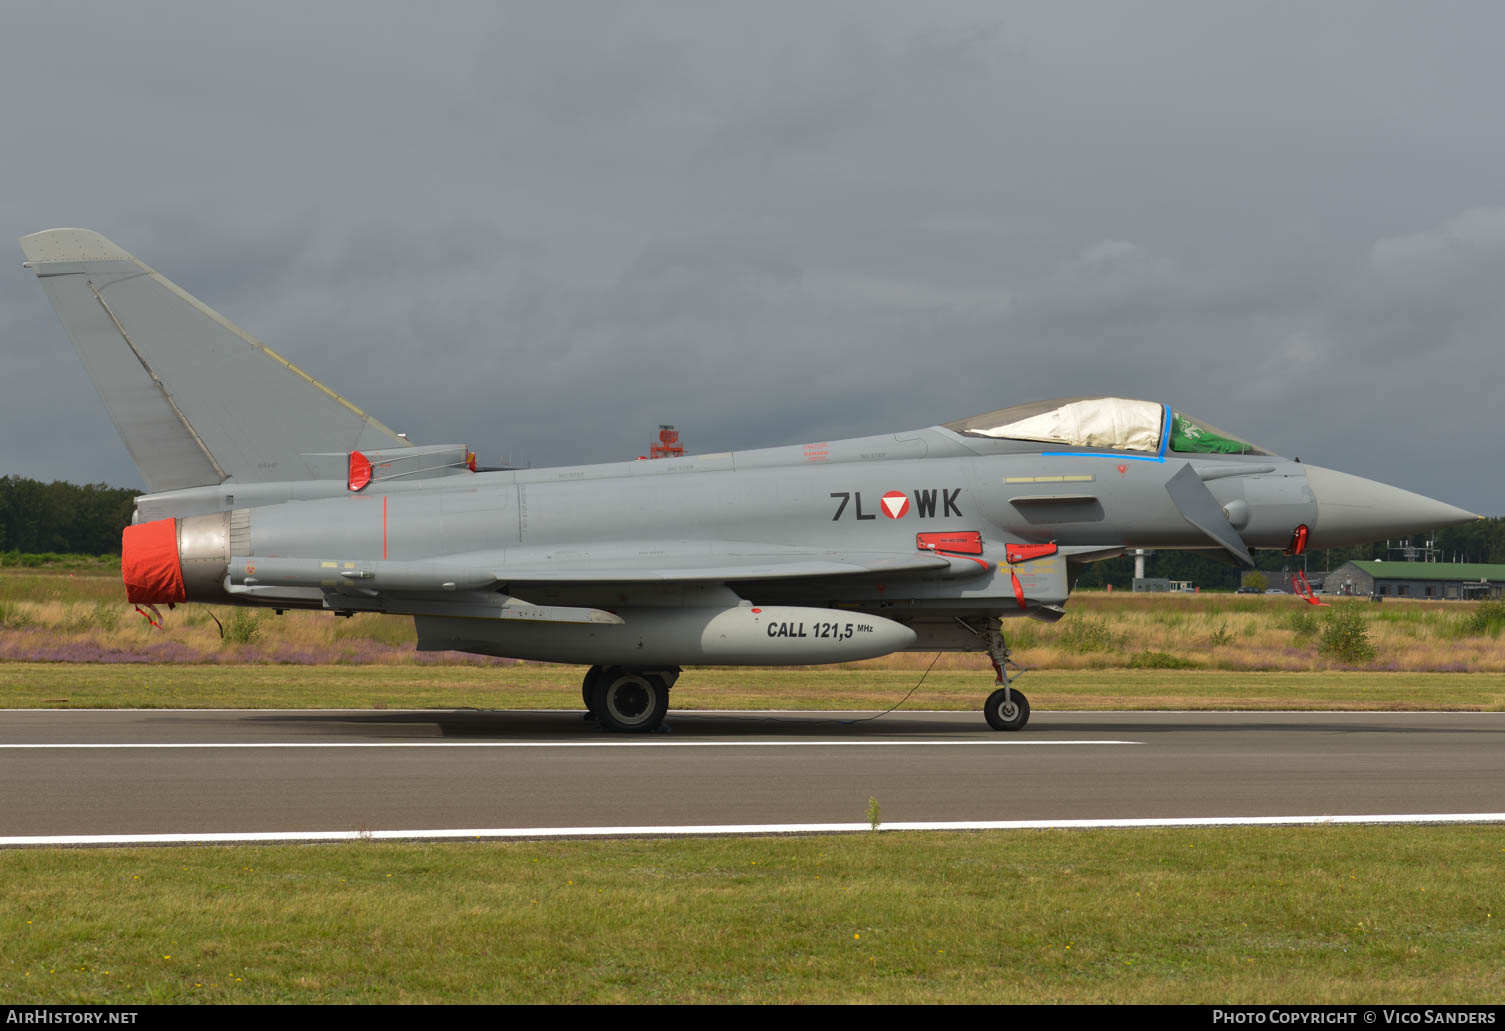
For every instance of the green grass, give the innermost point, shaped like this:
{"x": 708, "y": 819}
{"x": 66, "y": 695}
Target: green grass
{"x": 1487, "y": 618}
{"x": 1252, "y": 915}
{"x": 260, "y": 686}
{"x": 43, "y": 585}
{"x": 60, "y": 562}
{"x": 1345, "y": 635}
{"x": 1160, "y": 660}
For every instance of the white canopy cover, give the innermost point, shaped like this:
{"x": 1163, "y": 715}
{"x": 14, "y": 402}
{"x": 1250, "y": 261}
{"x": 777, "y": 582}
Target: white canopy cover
{"x": 1107, "y": 422}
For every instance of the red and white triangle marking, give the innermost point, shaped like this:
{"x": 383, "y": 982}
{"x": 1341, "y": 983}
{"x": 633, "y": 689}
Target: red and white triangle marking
{"x": 895, "y": 504}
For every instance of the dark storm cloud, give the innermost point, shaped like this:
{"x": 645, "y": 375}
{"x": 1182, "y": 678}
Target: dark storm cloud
{"x": 544, "y": 229}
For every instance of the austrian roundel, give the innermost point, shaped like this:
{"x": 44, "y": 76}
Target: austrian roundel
{"x": 895, "y": 504}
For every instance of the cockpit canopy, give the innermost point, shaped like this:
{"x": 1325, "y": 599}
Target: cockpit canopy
{"x": 1113, "y": 423}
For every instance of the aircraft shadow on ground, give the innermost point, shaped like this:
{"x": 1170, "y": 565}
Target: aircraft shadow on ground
{"x": 572, "y": 726}
{"x": 503, "y": 724}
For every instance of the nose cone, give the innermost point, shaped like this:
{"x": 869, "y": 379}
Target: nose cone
{"x": 1353, "y": 510}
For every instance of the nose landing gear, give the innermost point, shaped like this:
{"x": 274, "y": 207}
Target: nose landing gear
{"x": 1006, "y": 708}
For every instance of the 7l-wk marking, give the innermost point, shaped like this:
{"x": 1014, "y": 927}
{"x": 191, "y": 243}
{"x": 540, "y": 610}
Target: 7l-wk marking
{"x": 895, "y": 504}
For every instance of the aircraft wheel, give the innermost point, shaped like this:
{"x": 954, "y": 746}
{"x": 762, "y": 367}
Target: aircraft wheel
{"x": 1005, "y": 713}
{"x": 632, "y": 702}
{"x": 590, "y": 688}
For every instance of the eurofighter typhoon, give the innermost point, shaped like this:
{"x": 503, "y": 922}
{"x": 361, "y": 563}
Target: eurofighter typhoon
{"x": 269, "y": 489}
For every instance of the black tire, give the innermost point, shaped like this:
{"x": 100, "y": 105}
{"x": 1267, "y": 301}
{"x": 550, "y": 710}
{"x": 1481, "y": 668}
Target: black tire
{"x": 632, "y": 703}
{"x": 1006, "y": 713}
{"x": 589, "y": 688}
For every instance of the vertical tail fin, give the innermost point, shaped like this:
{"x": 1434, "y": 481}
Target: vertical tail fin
{"x": 196, "y": 400}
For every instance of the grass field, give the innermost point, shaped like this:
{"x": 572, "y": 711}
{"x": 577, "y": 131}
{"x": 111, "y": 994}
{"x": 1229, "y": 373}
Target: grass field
{"x": 81, "y": 616}
{"x": 67, "y": 639}
{"x": 1327, "y": 914}
{"x": 537, "y": 686}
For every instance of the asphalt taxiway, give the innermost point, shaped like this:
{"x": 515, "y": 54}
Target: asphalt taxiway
{"x": 87, "y": 776}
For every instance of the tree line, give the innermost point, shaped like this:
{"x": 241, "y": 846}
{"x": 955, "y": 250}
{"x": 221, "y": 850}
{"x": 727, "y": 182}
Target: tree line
{"x": 1480, "y": 541}
{"x": 37, "y": 517}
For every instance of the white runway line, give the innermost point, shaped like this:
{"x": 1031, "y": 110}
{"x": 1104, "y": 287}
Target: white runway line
{"x": 562, "y": 744}
{"x": 493, "y": 833}
{"x": 576, "y": 710}
{"x": 54, "y": 710}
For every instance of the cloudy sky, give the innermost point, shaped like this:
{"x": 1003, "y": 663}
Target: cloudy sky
{"x": 542, "y": 229}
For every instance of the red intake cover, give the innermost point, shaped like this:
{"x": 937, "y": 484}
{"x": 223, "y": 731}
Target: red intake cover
{"x": 149, "y": 562}
{"x": 1026, "y": 552}
{"x": 960, "y": 542}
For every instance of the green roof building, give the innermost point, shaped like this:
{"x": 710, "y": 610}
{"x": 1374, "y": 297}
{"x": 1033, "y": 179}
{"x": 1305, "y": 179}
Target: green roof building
{"x": 1456, "y": 580}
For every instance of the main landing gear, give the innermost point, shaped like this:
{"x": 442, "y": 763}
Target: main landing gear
{"x": 627, "y": 700}
{"x": 1006, "y": 708}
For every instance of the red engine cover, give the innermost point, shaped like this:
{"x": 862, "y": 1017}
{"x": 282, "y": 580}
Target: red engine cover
{"x": 149, "y": 563}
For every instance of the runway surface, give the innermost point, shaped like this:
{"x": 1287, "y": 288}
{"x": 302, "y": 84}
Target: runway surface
{"x": 83, "y": 774}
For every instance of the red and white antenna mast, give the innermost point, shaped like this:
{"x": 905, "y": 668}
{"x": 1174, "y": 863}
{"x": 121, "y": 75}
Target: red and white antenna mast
{"x": 668, "y": 444}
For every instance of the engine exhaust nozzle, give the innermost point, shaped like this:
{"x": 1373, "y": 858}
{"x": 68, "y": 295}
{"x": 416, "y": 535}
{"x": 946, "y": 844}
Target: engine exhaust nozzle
{"x": 172, "y": 560}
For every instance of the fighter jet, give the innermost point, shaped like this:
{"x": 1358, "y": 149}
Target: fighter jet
{"x": 269, "y": 489}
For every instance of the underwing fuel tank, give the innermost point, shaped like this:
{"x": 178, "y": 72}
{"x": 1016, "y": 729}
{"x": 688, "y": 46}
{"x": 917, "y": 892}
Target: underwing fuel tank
{"x": 742, "y": 635}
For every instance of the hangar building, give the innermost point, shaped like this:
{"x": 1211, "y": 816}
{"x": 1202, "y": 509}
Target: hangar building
{"x": 1461, "y": 580}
